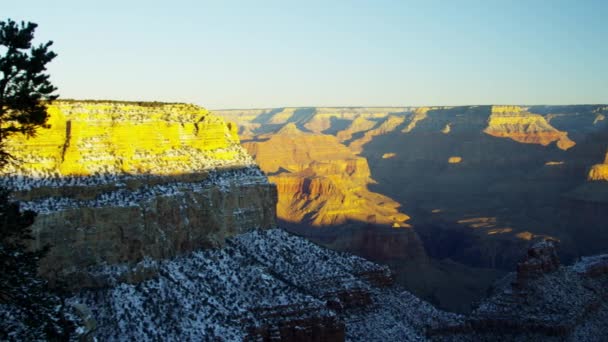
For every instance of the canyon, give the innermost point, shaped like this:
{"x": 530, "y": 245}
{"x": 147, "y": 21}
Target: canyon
{"x": 475, "y": 185}
{"x": 164, "y": 226}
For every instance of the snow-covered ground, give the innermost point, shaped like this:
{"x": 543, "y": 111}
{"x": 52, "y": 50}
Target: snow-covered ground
{"x": 221, "y": 293}
{"x": 124, "y": 197}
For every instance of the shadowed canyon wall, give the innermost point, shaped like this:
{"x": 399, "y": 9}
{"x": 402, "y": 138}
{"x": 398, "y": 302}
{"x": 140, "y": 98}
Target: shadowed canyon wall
{"x": 479, "y": 184}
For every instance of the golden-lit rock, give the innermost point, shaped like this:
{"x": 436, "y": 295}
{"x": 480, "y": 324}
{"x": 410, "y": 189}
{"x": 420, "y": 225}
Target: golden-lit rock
{"x": 328, "y": 120}
{"x": 455, "y": 160}
{"x": 418, "y": 114}
{"x": 387, "y": 126}
{"x": 446, "y": 129}
{"x": 517, "y": 123}
{"x": 320, "y": 181}
{"x": 525, "y": 236}
{"x": 360, "y": 124}
{"x": 598, "y": 172}
{"x": 86, "y": 138}
{"x": 117, "y": 182}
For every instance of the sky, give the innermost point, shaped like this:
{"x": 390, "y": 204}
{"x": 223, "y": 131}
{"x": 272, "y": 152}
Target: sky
{"x": 262, "y": 54}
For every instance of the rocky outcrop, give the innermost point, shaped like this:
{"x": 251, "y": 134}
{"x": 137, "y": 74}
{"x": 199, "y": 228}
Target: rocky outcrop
{"x": 387, "y": 126}
{"x": 360, "y": 124}
{"x": 564, "y": 303}
{"x": 116, "y": 182}
{"x": 517, "y": 123}
{"x": 599, "y": 172}
{"x": 320, "y": 181}
{"x": 155, "y": 222}
{"x": 91, "y": 138}
{"x": 417, "y": 115}
{"x": 455, "y": 160}
{"x": 263, "y": 285}
{"x": 541, "y": 259}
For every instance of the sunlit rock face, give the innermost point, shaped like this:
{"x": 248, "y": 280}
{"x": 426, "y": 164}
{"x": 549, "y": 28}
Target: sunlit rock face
{"x": 320, "y": 181}
{"x": 118, "y": 182}
{"x": 599, "y": 172}
{"x": 517, "y": 123}
{"x": 386, "y": 126}
{"x": 86, "y": 138}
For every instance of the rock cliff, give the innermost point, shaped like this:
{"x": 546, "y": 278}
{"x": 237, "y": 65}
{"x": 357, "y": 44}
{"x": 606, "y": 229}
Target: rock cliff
{"x": 320, "y": 181}
{"x": 119, "y": 182}
{"x": 517, "y": 123}
{"x": 599, "y": 172}
{"x": 554, "y": 303}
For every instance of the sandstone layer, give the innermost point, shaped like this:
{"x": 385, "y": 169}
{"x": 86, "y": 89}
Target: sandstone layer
{"x": 517, "y": 123}
{"x": 599, "y": 172}
{"x": 386, "y": 126}
{"x": 89, "y": 138}
{"x": 116, "y": 182}
{"x": 320, "y": 181}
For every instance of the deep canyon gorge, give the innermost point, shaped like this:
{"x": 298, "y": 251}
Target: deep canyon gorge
{"x": 450, "y": 194}
{"x": 417, "y": 223}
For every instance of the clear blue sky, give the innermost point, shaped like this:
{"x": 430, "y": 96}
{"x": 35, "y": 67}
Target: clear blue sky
{"x": 251, "y": 54}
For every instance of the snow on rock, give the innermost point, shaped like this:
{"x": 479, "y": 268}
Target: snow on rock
{"x": 260, "y": 284}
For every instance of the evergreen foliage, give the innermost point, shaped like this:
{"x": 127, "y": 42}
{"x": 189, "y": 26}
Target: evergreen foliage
{"x": 29, "y": 310}
{"x": 24, "y": 84}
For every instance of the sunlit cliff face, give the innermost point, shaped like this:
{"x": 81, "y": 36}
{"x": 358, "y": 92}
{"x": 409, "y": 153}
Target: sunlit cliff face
{"x": 320, "y": 181}
{"x": 87, "y": 138}
{"x": 599, "y": 172}
{"x": 517, "y": 123}
{"x": 116, "y": 182}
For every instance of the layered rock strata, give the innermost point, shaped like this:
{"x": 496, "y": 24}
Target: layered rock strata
{"x": 117, "y": 182}
{"x": 599, "y": 172}
{"x": 517, "y": 123}
{"x": 321, "y": 182}
{"x": 263, "y": 285}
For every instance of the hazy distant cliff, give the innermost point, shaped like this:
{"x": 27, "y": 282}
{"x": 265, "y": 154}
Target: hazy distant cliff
{"x": 120, "y": 182}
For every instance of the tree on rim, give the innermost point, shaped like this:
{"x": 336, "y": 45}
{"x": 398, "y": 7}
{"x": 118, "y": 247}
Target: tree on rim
{"x": 25, "y": 88}
{"x": 28, "y": 309}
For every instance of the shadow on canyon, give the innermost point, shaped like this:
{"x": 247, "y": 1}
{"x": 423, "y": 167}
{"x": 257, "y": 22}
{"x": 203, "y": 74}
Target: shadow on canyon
{"x": 480, "y": 184}
{"x": 445, "y": 283}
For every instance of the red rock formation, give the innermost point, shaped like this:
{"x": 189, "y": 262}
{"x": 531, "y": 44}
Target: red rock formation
{"x": 320, "y": 181}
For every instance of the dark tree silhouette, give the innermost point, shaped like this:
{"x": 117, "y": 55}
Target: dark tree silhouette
{"x": 25, "y": 89}
{"x": 28, "y": 309}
